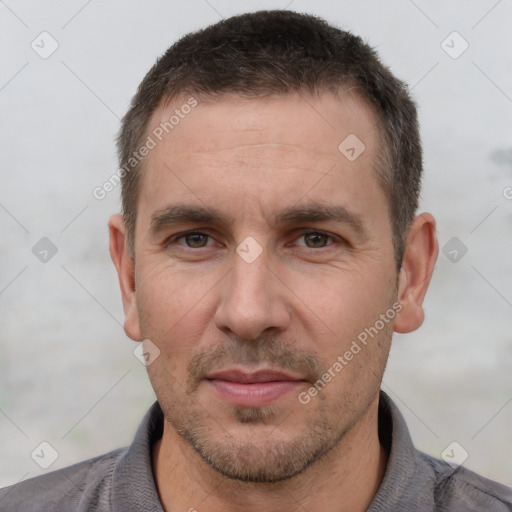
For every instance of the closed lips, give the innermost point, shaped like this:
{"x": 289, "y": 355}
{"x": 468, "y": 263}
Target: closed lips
{"x": 252, "y": 378}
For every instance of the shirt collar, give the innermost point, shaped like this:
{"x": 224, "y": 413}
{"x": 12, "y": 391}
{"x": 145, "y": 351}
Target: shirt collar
{"x": 402, "y": 456}
{"x": 134, "y": 488}
{"x": 133, "y": 483}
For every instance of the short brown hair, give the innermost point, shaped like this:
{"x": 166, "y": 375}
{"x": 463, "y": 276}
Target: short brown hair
{"x": 278, "y": 52}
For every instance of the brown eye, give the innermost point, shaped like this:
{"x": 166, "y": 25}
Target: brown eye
{"x": 195, "y": 240}
{"x": 316, "y": 239}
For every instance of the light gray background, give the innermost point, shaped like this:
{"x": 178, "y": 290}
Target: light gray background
{"x": 67, "y": 372}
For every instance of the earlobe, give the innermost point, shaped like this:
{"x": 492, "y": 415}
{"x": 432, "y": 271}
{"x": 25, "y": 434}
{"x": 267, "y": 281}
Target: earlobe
{"x": 125, "y": 266}
{"x": 418, "y": 264}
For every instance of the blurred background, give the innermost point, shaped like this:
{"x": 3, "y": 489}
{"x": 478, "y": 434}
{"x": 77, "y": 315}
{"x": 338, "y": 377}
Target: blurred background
{"x": 68, "y": 375}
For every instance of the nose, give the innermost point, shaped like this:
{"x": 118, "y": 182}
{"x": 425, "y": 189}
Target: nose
{"x": 253, "y": 300}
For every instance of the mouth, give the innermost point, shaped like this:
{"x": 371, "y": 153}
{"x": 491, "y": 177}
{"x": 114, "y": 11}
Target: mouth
{"x": 253, "y": 389}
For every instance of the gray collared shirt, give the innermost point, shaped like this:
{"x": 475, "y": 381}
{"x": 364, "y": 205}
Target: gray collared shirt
{"x": 122, "y": 480}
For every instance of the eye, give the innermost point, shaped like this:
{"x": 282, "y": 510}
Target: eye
{"x": 194, "y": 240}
{"x": 198, "y": 240}
{"x": 316, "y": 239}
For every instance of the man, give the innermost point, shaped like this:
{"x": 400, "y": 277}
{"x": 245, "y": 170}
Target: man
{"x": 268, "y": 248}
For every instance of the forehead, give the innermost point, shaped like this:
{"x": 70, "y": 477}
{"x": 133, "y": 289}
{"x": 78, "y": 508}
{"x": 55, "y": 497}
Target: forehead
{"x": 318, "y": 121}
{"x": 256, "y": 150}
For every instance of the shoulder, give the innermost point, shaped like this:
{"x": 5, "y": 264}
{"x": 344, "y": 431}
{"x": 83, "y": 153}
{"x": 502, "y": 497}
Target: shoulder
{"x": 86, "y": 484}
{"x": 458, "y": 488}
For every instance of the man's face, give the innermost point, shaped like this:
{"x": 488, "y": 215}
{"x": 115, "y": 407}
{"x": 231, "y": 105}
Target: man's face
{"x": 261, "y": 248}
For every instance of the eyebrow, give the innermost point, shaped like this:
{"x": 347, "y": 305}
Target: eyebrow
{"x": 311, "y": 212}
{"x": 316, "y": 212}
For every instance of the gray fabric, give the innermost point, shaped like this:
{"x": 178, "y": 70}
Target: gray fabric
{"x": 122, "y": 480}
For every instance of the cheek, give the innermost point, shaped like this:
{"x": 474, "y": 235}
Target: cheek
{"x": 174, "y": 308}
{"x": 346, "y": 308}
{"x": 167, "y": 291}
{"x": 341, "y": 304}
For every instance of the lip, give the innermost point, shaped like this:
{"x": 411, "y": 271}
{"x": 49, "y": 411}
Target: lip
{"x": 252, "y": 389}
{"x": 234, "y": 375}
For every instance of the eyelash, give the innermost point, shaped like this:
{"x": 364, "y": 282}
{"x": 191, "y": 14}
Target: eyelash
{"x": 333, "y": 238}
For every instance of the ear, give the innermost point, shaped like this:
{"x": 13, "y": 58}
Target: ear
{"x": 420, "y": 255}
{"x": 125, "y": 266}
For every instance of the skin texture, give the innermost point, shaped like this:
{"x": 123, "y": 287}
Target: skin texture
{"x": 299, "y": 305}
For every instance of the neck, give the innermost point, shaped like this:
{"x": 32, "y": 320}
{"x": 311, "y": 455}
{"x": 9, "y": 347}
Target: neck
{"x": 345, "y": 479}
